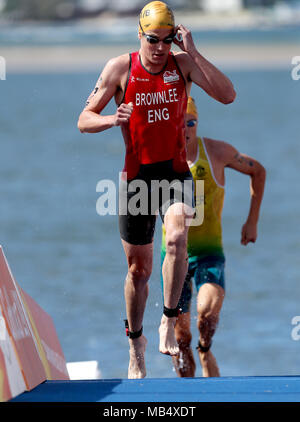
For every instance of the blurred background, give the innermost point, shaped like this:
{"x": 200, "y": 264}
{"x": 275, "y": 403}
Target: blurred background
{"x": 70, "y": 259}
{"x": 78, "y": 9}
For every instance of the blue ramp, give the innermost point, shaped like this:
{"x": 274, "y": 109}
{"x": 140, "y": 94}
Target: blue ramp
{"x": 164, "y": 390}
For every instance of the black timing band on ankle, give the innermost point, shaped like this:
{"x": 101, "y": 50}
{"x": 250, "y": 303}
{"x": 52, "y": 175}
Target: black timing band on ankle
{"x": 203, "y": 348}
{"x": 132, "y": 334}
{"x": 172, "y": 312}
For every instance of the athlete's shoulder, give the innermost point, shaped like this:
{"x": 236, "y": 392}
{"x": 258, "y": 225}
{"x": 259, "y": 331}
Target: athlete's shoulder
{"x": 184, "y": 62}
{"x": 219, "y": 150}
{"x": 117, "y": 66}
{"x": 182, "y": 58}
{"x": 119, "y": 62}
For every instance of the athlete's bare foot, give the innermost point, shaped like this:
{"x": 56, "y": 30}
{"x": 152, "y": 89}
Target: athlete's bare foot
{"x": 137, "y": 367}
{"x": 167, "y": 343}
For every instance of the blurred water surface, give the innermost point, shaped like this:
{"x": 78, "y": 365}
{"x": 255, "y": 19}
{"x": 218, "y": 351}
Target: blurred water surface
{"x": 109, "y": 31}
{"x": 70, "y": 259}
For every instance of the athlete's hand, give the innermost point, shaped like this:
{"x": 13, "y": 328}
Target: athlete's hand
{"x": 184, "y": 39}
{"x": 123, "y": 114}
{"x": 249, "y": 233}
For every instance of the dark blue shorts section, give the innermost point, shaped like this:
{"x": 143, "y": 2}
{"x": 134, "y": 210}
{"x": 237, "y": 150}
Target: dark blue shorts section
{"x": 209, "y": 270}
{"x": 203, "y": 270}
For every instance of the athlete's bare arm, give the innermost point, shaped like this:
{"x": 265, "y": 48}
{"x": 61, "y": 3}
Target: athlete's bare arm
{"x": 200, "y": 71}
{"x": 225, "y": 155}
{"x": 110, "y": 84}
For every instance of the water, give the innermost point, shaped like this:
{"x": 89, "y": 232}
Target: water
{"x": 70, "y": 260}
{"x": 124, "y": 31}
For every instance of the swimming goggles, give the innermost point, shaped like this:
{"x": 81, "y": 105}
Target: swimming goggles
{"x": 152, "y": 39}
{"x": 191, "y": 123}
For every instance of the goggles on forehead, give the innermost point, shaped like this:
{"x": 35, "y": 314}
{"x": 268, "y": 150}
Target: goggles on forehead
{"x": 152, "y": 39}
{"x": 191, "y": 123}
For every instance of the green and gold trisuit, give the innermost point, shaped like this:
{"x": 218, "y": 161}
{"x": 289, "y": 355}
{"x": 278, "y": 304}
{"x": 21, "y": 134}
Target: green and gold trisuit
{"x": 205, "y": 239}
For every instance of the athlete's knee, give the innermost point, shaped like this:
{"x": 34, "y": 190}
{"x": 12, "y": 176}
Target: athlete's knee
{"x": 209, "y": 303}
{"x": 139, "y": 272}
{"x": 176, "y": 240}
{"x": 184, "y": 339}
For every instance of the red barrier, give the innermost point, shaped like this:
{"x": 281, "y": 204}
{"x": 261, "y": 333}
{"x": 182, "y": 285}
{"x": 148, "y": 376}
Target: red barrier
{"x": 30, "y": 352}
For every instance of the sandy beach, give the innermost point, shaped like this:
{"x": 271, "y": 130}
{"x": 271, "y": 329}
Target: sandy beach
{"x": 84, "y": 58}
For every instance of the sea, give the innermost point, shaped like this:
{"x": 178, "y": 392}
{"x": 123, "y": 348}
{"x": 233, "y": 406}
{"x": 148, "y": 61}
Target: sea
{"x": 69, "y": 258}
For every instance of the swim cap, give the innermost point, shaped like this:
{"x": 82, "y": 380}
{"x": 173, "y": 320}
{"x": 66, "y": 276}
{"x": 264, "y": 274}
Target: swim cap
{"x": 191, "y": 107}
{"x": 156, "y": 15}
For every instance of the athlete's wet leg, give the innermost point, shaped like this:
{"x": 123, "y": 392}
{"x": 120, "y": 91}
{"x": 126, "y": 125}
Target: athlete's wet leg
{"x": 177, "y": 220}
{"x": 139, "y": 259}
{"x": 184, "y": 362}
{"x": 137, "y": 367}
{"x": 209, "y": 303}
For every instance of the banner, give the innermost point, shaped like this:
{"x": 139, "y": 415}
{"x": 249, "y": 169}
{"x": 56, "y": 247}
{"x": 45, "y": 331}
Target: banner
{"x": 30, "y": 352}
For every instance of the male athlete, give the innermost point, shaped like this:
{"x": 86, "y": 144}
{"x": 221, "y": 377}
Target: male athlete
{"x": 207, "y": 159}
{"x": 150, "y": 88}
